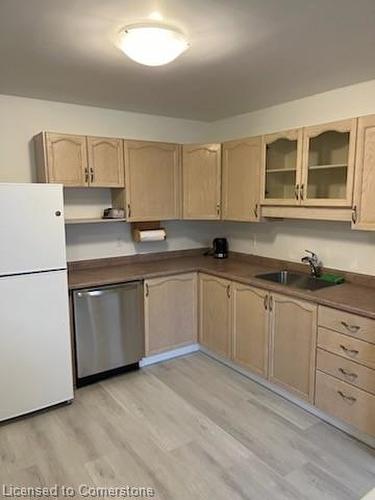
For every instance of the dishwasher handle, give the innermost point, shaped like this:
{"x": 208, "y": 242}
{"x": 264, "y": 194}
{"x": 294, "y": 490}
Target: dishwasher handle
{"x": 97, "y": 292}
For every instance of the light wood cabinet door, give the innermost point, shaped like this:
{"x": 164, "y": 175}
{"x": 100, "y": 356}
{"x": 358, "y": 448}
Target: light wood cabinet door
{"x": 171, "y": 319}
{"x": 65, "y": 159}
{"x": 106, "y": 162}
{"x": 215, "y": 314}
{"x": 293, "y": 345}
{"x": 364, "y": 199}
{"x": 281, "y": 168}
{"x": 328, "y": 164}
{"x": 241, "y": 180}
{"x": 201, "y": 180}
{"x": 250, "y": 328}
{"x": 152, "y": 178}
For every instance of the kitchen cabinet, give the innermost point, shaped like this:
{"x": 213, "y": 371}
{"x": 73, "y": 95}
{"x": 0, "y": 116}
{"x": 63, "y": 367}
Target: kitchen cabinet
{"x": 310, "y": 167}
{"x": 281, "y": 167}
{"x": 171, "y": 318}
{"x": 328, "y": 164}
{"x": 241, "y": 180}
{"x": 293, "y": 345}
{"x": 153, "y": 181}
{"x": 215, "y": 314}
{"x": 79, "y": 161}
{"x": 62, "y": 158}
{"x": 201, "y": 174}
{"x": 250, "y": 324}
{"x": 106, "y": 162}
{"x": 364, "y": 199}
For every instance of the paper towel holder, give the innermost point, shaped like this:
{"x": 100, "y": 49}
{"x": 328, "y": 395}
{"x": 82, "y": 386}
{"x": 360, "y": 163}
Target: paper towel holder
{"x": 137, "y": 227}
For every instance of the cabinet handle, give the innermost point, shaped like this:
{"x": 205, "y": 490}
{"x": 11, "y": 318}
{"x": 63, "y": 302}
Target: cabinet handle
{"x": 270, "y": 303}
{"x": 265, "y": 301}
{"x": 91, "y": 174}
{"x": 348, "y": 374}
{"x": 296, "y": 192}
{"x": 86, "y": 174}
{"x": 218, "y": 208}
{"x": 228, "y": 291}
{"x": 129, "y": 211}
{"x": 256, "y": 211}
{"x": 147, "y": 293}
{"x": 351, "y": 399}
{"x": 302, "y": 192}
{"x": 354, "y": 214}
{"x": 351, "y": 352}
{"x": 351, "y": 328}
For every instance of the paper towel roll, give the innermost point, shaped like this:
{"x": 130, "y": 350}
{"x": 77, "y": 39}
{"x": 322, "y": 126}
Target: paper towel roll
{"x": 152, "y": 235}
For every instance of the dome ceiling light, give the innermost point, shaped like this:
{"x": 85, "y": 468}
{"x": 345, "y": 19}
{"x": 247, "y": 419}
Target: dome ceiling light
{"x": 152, "y": 44}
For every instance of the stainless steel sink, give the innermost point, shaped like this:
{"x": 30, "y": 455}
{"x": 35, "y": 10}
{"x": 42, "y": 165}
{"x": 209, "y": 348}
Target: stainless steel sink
{"x": 297, "y": 280}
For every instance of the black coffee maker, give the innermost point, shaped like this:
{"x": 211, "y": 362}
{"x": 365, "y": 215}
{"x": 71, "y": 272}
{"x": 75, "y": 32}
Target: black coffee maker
{"x": 220, "y": 248}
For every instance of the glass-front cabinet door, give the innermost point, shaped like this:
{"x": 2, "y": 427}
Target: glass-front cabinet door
{"x": 282, "y": 158}
{"x": 328, "y": 164}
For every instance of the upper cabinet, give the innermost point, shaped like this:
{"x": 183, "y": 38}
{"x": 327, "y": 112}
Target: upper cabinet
{"x": 106, "y": 162}
{"x": 241, "y": 179}
{"x": 201, "y": 180}
{"x": 364, "y": 199}
{"x": 313, "y": 166}
{"x": 281, "y": 167}
{"x": 62, "y": 158}
{"x": 153, "y": 181}
{"x": 328, "y": 164}
{"x": 79, "y": 161}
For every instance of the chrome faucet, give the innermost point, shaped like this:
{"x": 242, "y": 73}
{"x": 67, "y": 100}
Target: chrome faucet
{"x": 314, "y": 262}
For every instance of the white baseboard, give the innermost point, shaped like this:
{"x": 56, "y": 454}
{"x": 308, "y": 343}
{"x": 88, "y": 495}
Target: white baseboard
{"x": 348, "y": 429}
{"x": 163, "y": 356}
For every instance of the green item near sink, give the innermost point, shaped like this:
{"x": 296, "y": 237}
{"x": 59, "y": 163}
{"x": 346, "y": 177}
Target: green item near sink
{"x": 332, "y": 278}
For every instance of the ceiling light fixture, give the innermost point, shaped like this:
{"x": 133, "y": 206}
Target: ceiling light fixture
{"x": 152, "y": 44}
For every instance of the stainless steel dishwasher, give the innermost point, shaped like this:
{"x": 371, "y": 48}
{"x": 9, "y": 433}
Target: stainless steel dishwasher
{"x": 109, "y": 330}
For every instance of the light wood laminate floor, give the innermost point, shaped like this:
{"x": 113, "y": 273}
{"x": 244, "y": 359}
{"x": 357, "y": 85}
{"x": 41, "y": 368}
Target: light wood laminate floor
{"x": 190, "y": 428}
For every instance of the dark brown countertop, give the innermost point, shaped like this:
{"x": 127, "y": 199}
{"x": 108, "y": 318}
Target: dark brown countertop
{"x": 351, "y": 297}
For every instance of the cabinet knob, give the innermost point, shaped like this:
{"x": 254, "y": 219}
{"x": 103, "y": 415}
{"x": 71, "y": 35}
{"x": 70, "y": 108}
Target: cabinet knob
{"x": 348, "y": 374}
{"x": 296, "y": 192}
{"x": 354, "y": 215}
{"x": 256, "y": 210}
{"x": 58, "y": 213}
{"x": 351, "y": 352}
{"x": 350, "y": 328}
{"x": 350, "y": 399}
{"x": 228, "y": 291}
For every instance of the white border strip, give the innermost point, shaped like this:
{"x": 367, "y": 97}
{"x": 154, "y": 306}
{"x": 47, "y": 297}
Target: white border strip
{"x": 164, "y": 356}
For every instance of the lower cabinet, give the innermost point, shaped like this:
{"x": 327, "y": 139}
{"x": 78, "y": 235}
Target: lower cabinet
{"x": 171, "y": 318}
{"x": 215, "y": 314}
{"x": 271, "y": 335}
{"x": 293, "y": 345}
{"x": 250, "y": 325}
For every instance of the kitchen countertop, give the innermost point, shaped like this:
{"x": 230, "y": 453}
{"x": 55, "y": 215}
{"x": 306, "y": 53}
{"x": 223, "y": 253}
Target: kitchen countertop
{"x": 350, "y": 297}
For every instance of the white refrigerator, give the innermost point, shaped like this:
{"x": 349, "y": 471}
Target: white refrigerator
{"x": 35, "y": 348}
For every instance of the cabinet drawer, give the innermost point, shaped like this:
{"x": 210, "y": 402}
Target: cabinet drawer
{"x": 348, "y": 347}
{"x": 349, "y": 324}
{"x": 348, "y": 403}
{"x": 346, "y": 370}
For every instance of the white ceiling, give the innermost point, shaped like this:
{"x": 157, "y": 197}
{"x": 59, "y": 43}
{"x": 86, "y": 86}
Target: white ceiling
{"x": 244, "y": 55}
